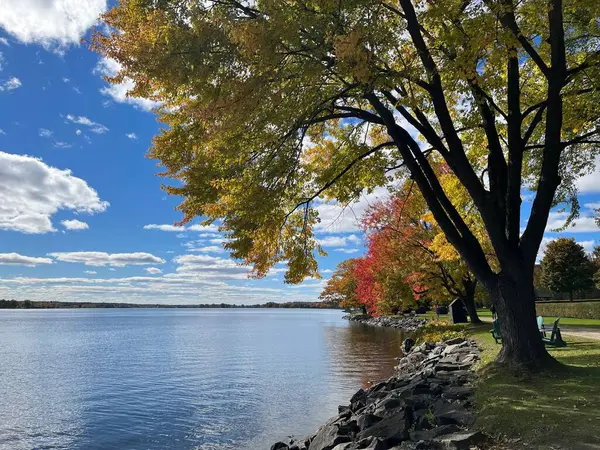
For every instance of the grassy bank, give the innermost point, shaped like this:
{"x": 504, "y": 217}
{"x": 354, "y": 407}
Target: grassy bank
{"x": 560, "y": 410}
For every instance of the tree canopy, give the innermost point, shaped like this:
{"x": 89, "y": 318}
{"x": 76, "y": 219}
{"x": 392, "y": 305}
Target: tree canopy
{"x": 272, "y": 106}
{"x": 566, "y": 267}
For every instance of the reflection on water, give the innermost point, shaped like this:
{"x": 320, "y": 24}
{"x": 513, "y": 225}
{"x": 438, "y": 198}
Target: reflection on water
{"x": 179, "y": 379}
{"x": 364, "y": 351}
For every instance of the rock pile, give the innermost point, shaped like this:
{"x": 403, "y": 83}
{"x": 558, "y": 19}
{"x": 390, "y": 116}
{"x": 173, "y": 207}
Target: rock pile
{"x": 408, "y": 323}
{"x": 425, "y": 406}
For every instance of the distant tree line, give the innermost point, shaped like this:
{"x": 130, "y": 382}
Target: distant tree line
{"x": 29, "y": 304}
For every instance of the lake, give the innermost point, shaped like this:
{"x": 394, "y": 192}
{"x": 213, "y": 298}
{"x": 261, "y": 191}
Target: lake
{"x": 204, "y": 379}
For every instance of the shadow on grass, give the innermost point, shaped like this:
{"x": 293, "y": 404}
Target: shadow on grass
{"x": 558, "y": 409}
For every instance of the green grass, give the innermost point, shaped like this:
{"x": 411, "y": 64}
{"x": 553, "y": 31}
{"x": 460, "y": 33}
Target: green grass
{"x": 592, "y": 323}
{"x": 554, "y": 410}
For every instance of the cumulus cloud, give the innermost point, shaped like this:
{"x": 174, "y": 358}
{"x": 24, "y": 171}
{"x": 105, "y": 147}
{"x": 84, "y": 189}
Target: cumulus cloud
{"x": 10, "y": 84}
{"x": 54, "y": 24}
{"x": 337, "y": 218}
{"x": 210, "y": 267}
{"x": 338, "y": 241}
{"x": 132, "y": 136}
{"x": 588, "y": 246}
{"x": 95, "y": 127}
{"x": 199, "y": 248}
{"x": 90, "y": 272}
{"x": 153, "y": 270}
{"x": 590, "y": 182}
{"x": 32, "y": 192}
{"x": 213, "y": 229}
{"x": 15, "y": 259}
{"x": 45, "y": 133}
{"x": 348, "y": 251}
{"x": 4, "y": 41}
{"x": 119, "y": 92}
{"x": 584, "y": 224}
{"x": 75, "y": 225}
{"x": 106, "y": 259}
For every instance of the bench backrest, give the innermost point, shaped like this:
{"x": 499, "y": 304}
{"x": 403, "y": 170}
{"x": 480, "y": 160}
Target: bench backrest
{"x": 554, "y": 329}
{"x": 540, "y": 321}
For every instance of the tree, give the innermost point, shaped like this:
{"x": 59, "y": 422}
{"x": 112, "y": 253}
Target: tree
{"x": 341, "y": 287}
{"x": 596, "y": 262}
{"x": 270, "y": 106}
{"x": 566, "y": 267}
{"x": 425, "y": 260}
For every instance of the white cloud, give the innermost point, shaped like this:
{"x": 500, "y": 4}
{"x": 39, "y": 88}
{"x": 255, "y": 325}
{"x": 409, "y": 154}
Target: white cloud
{"x": 106, "y": 259}
{"x": 90, "y": 272}
{"x": 1, "y": 62}
{"x": 15, "y": 259}
{"x": 585, "y": 224}
{"x": 55, "y": 24}
{"x": 10, "y": 84}
{"x": 131, "y": 136}
{"x": 78, "y": 132}
{"x": 326, "y": 271}
{"x": 337, "y": 241}
{"x": 173, "y": 228}
{"x": 4, "y": 41}
{"x": 2, "y": 131}
{"x": 153, "y": 270}
{"x": 75, "y": 225}
{"x": 193, "y": 247}
{"x": 32, "y": 192}
{"x": 210, "y": 267}
{"x": 119, "y": 92}
{"x": 45, "y": 133}
{"x": 95, "y": 127}
{"x": 590, "y": 182}
{"x": 348, "y": 251}
{"x": 66, "y": 80}
{"x": 336, "y": 218}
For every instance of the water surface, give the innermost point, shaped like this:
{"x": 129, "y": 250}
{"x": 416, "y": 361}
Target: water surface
{"x": 205, "y": 379}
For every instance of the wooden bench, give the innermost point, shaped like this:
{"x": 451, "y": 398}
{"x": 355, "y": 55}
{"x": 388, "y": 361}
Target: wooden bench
{"x": 555, "y": 338}
{"x": 496, "y": 331}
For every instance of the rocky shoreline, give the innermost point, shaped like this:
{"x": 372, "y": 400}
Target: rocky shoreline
{"x": 408, "y": 323}
{"x": 426, "y": 405}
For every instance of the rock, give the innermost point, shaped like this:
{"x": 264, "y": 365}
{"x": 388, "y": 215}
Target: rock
{"x": 452, "y": 413}
{"x": 428, "y": 435}
{"x": 407, "y": 345}
{"x": 392, "y": 430}
{"x": 366, "y": 420}
{"x": 280, "y": 446}
{"x": 461, "y": 440}
{"x": 328, "y": 437}
{"x": 454, "y": 341}
{"x": 457, "y": 393}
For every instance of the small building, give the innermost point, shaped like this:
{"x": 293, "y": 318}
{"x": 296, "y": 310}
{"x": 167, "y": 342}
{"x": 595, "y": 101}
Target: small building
{"x": 458, "y": 314}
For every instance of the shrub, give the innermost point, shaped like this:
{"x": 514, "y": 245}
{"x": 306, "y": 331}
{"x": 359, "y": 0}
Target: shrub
{"x": 439, "y": 331}
{"x": 577, "y": 310}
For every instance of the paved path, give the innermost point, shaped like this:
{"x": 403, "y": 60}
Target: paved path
{"x": 570, "y": 330}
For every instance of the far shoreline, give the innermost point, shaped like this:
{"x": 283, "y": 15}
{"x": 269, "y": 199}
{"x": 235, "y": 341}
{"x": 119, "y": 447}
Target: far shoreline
{"x": 30, "y": 304}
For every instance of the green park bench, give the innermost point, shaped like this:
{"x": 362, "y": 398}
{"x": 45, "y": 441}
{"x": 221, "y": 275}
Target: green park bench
{"x": 496, "y": 331}
{"x": 555, "y": 338}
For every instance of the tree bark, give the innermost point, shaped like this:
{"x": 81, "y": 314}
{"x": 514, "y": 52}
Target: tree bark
{"x": 522, "y": 346}
{"x": 469, "y": 302}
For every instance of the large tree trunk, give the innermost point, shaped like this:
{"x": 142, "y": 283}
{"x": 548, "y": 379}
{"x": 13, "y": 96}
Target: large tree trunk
{"x": 469, "y": 303}
{"x": 469, "y": 300}
{"x": 522, "y": 346}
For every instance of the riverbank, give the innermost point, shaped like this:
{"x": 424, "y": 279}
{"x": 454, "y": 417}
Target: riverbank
{"x": 427, "y": 404}
{"x": 408, "y": 323}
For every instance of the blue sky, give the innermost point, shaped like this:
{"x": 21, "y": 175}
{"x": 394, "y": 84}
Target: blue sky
{"x": 82, "y": 216}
